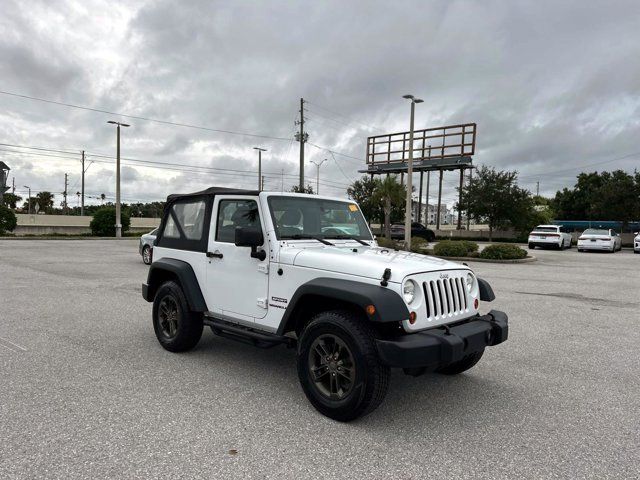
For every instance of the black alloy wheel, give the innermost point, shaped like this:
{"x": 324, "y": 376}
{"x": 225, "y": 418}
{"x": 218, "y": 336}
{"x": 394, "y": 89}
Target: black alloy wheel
{"x": 332, "y": 367}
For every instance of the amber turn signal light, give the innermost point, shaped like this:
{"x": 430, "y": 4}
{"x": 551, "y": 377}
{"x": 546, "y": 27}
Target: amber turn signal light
{"x": 370, "y": 310}
{"x": 412, "y": 318}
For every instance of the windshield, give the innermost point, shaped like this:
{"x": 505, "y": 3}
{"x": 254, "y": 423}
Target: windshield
{"x": 299, "y": 217}
{"x": 593, "y": 231}
{"x": 546, "y": 229}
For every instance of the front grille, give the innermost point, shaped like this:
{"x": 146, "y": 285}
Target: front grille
{"x": 445, "y": 298}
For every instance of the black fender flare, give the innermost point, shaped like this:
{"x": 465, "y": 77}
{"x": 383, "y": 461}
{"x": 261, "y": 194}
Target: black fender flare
{"x": 486, "y": 292}
{"x": 389, "y": 305}
{"x": 186, "y": 276}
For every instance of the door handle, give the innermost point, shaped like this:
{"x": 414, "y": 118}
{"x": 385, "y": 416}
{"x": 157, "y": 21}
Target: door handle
{"x": 215, "y": 254}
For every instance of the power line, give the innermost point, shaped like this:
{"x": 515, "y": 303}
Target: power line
{"x": 164, "y": 122}
{"x": 147, "y": 119}
{"x": 146, "y": 163}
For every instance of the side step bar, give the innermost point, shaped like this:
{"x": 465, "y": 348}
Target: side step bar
{"x": 247, "y": 335}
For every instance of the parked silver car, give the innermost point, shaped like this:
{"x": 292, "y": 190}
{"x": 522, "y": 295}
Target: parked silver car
{"x": 146, "y": 246}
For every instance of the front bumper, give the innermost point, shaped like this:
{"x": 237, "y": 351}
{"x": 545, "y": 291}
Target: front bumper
{"x": 438, "y": 347}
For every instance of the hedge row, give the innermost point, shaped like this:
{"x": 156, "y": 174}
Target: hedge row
{"x": 503, "y": 251}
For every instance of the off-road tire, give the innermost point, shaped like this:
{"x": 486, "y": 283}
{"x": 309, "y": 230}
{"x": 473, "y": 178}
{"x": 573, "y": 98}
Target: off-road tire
{"x": 371, "y": 378}
{"x": 463, "y": 365}
{"x": 188, "y": 325}
{"x": 146, "y": 249}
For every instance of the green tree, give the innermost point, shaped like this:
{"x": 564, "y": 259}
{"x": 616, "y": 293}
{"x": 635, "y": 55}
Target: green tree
{"x": 389, "y": 194}
{"x": 44, "y": 200}
{"x": 600, "y": 196}
{"x": 8, "y": 220}
{"x": 495, "y": 198}
{"x": 363, "y": 192}
{"x": 307, "y": 189}
{"x": 11, "y": 200}
{"x": 103, "y": 223}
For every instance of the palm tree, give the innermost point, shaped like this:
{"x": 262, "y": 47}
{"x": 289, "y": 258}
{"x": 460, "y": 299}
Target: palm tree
{"x": 44, "y": 201}
{"x": 102, "y": 197}
{"x": 390, "y": 194}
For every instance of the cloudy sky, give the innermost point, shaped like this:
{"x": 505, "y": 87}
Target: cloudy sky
{"x": 553, "y": 86}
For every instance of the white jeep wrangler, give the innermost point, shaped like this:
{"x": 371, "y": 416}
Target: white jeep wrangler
{"x": 305, "y": 271}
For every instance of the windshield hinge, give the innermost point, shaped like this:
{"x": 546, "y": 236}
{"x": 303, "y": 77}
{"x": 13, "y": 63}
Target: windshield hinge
{"x": 385, "y": 277}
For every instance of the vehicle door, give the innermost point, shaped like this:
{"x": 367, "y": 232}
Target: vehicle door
{"x": 237, "y": 284}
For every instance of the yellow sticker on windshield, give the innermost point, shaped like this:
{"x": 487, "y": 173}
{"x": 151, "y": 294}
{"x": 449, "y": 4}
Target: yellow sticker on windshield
{"x": 353, "y": 208}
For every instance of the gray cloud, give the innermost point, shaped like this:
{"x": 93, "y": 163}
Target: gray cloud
{"x": 552, "y": 86}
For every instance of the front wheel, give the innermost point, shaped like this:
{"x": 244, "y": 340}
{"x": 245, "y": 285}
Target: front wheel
{"x": 462, "y": 365}
{"x": 338, "y": 366}
{"x": 177, "y": 328}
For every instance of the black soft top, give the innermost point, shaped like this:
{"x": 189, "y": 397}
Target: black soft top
{"x": 212, "y": 191}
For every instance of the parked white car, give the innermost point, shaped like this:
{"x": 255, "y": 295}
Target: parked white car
{"x": 146, "y": 246}
{"x": 636, "y": 243}
{"x": 599, "y": 239}
{"x": 545, "y": 236}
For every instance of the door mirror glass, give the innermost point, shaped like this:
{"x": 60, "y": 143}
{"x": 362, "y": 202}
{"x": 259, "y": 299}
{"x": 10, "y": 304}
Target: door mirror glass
{"x": 249, "y": 237}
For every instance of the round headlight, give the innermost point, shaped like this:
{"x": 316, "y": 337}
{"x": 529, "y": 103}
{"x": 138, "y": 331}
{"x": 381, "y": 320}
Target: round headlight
{"x": 409, "y": 291}
{"x": 469, "y": 282}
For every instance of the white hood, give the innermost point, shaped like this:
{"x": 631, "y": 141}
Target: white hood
{"x": 364, "y": 261}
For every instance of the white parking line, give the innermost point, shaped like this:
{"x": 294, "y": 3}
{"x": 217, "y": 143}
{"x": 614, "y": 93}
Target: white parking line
{"x": 14, "y": 347}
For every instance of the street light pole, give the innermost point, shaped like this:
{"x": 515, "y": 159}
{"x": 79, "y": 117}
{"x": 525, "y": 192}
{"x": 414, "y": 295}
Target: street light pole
{"x": 118, "y": 219}
{"x": 407, "y": 215}
{"x": 260, "y": 182}
{"x": 29, "y": 208}
{"x": 318, "y": 174}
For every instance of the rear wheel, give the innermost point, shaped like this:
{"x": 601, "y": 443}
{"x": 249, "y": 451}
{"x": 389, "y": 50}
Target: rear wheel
{"x": 463, "y": 365}
{"x": 532, "y": 246}
{"x": 338, "y": 366}
{"x": 177, "y": 328}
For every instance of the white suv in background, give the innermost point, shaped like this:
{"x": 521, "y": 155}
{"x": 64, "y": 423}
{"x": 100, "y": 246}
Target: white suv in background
{"x": 636, "y": 243}
{"x": 549, "y": 236}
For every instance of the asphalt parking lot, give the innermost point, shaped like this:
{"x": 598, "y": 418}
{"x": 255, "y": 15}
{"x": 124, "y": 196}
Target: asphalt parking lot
{"x": 87, "y": 392}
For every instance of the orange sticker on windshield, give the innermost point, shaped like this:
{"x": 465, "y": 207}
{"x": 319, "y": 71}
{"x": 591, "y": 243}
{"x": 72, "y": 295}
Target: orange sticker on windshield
{"x": 353, "y": 208}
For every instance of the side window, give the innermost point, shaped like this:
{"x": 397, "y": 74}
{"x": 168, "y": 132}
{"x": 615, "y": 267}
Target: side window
{"x": 184, "y": 225}
{"x": 186, "y": 220}
{"x": 235, "y": 213}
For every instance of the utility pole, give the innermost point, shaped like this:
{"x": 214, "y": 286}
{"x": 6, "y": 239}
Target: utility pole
{"x": 282, "y": 179}
{"x": 407, "y": 213}
{"x": 82, "y": 204}
{"x": 537, "y": 189}
{"x": 29, "y": 204}
{"x": 64, "y": 194}
{"x": 262, "y": 186}
{"x": 302, "y": 138}
{"x": 14, "y": 186}
{"x": 318, "y": 174}
{"x": 260, "y": 179}
{"x": 118, "y": 219}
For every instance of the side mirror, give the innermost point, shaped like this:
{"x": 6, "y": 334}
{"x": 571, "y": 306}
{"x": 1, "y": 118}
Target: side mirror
{"x": 251, "y": 237}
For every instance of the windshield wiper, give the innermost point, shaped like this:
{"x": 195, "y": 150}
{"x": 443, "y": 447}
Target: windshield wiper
{"x": 297, "y": 236}
{"x": 348, "y": 237}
